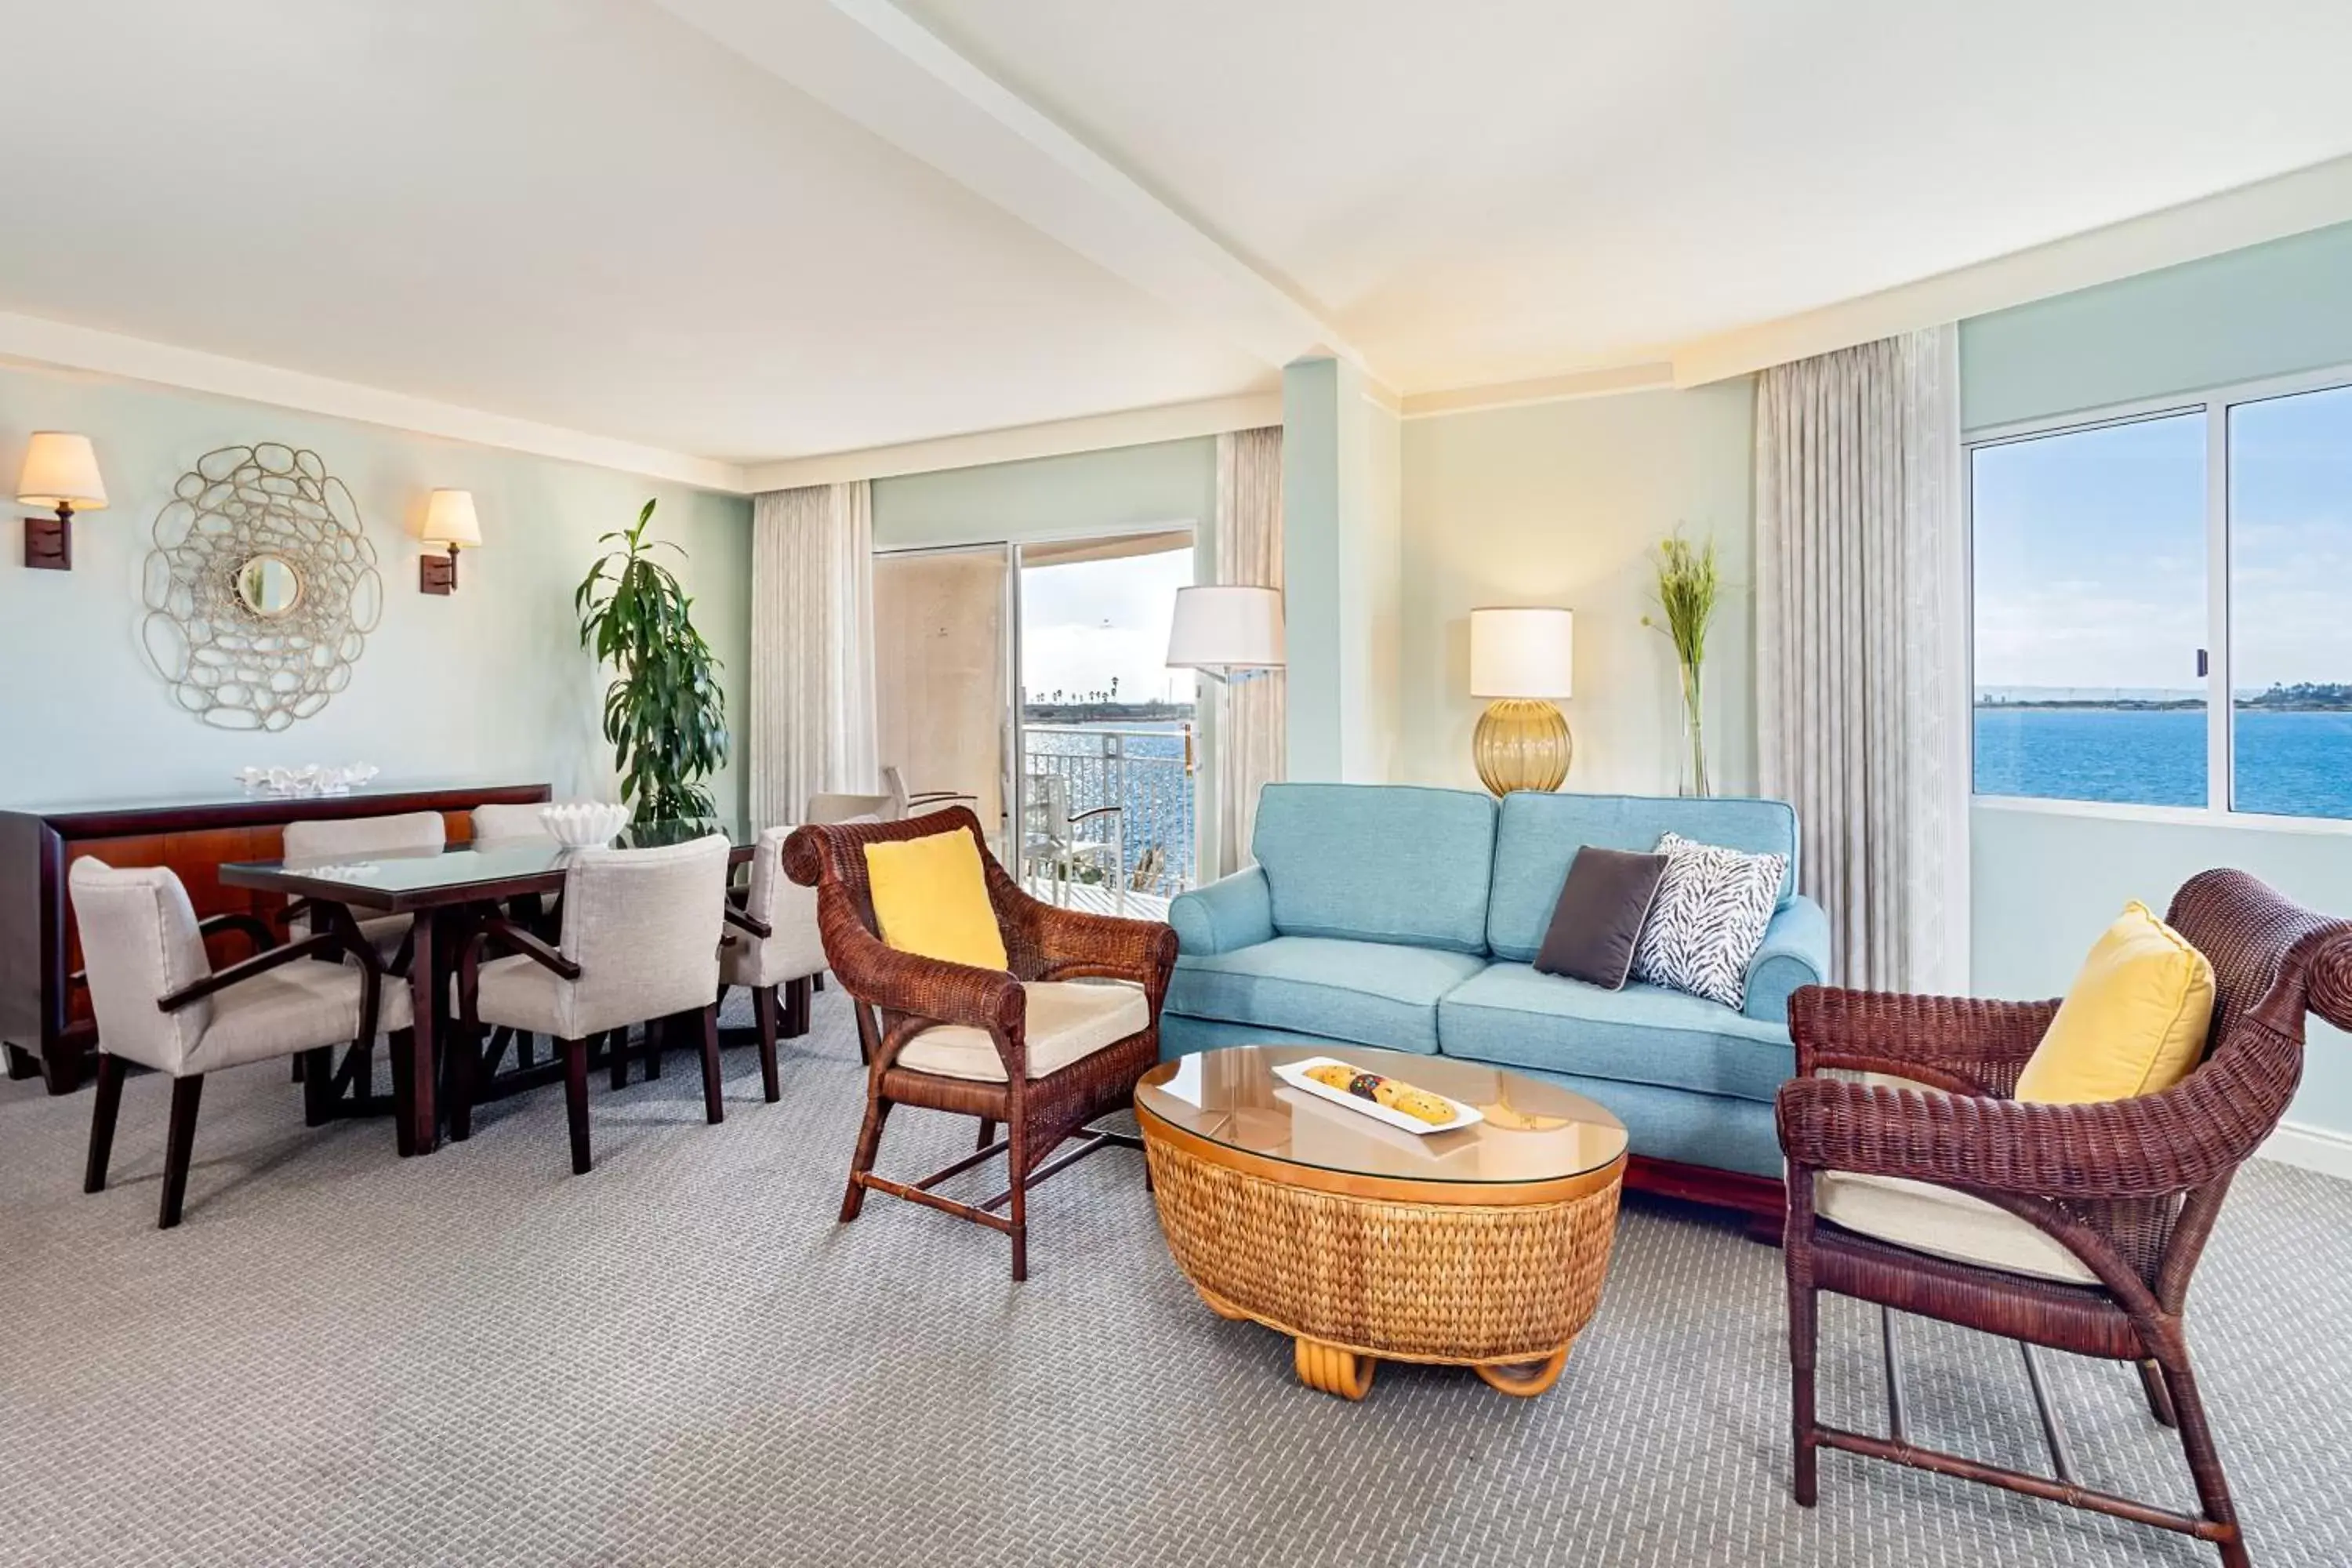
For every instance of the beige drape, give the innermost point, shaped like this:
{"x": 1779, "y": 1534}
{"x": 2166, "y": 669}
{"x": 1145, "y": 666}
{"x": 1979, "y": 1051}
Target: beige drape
{"x": 1249, "y": 740}
{"x": 813, "y": 715}
{"x": 1862, "y": 707}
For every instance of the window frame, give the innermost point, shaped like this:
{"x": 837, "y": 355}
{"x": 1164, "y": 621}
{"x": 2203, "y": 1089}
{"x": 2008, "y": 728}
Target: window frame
{"x": 2214, "y": 403}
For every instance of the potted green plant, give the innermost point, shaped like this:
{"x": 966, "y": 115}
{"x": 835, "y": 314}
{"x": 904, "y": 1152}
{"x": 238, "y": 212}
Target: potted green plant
{"x": 664, "y": 713}
{"x": 1687, "y": 584}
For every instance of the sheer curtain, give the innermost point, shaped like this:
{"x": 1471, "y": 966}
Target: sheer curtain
{"x": 813, "y": 715}
{"x": 1249, "y": 552}
{"x": 1862, "y": 649}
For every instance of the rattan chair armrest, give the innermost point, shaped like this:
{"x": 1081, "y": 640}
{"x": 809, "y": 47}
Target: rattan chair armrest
{"x": 2148, "y": 1147}
{"x": 921, "y": 987}
{"x": 1900, "y": 1030}
{"x": 318, "y": 946}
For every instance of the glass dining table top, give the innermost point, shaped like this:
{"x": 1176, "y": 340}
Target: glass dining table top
{"x": 405, "y": 878}
{"x": 1532, "y": 1130}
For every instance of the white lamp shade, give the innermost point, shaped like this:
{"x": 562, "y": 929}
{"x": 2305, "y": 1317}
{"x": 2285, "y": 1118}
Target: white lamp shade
{"x": 60, "y": 470}
{"x": 449, "y": 520}
{"x": 1225, "y": 628}
{"x": 1522, "y": 652}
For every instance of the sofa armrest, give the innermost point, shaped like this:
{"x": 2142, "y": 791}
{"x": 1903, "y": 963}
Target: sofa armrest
{"x": 1796, "y": 952}
{"x": 1228, "y": 913}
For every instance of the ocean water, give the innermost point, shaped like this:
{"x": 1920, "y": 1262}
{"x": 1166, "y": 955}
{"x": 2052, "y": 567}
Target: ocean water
{"x": 2286, "y": 764}
{"x": 1151, "y": 785}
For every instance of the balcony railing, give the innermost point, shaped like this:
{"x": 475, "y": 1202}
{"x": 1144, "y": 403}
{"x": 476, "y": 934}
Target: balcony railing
{"x": 1145, "y": 847}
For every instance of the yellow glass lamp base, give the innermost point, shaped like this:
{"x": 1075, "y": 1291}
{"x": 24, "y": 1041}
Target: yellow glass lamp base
{"x": 1521, "y": 742}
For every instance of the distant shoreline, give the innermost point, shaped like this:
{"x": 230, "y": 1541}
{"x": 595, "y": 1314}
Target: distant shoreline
{"x": 2127, "y": 705}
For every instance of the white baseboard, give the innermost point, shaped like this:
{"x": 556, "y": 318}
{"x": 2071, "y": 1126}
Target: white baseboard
{"x": 2318, "y": 1149}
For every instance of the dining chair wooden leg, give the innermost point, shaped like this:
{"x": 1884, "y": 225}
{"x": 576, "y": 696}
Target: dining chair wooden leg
{"x": 763, "y": 1006}
{"x": 179, "y": 1146}
{"x": 404, "y": 1096}
{"x": 103, "y": 1111}
{"x": 655, "y": 1038}
{"x": 575, "y": 1101}
{"x": 617, "y": 1051}
{"x": 714, "y": 1103}
{"x": 816, "y": 981}
{"x": 461, "y": 1069}
{"x": 796, "y": 1006}
{"x": 317, "y": 1086}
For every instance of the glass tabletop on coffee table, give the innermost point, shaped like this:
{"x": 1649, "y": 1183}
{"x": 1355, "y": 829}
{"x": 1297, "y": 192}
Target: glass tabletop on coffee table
{"x": 1533, "y": 1132}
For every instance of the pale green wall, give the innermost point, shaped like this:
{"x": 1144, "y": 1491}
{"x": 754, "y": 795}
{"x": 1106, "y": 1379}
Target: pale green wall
{"x": 2269, "y": 310}
{"x": 488, "y": 684}
{"x": 2045, "y": 883}
{"x": 1085, "y": 492}
{"x": 1560, "y": 503}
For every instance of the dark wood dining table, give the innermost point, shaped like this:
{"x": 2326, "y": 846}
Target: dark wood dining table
{"x": 445, "y": 890}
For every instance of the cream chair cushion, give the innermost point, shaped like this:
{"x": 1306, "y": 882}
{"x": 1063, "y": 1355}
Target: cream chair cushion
{"x": 278, "y": 1012}
{"x": 793, "y": 949}
{"x": 1939, "y": 1221}
{"x": 1068, "y": 1020}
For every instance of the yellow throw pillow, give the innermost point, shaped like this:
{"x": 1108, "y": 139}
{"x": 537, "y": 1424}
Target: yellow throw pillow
{"x": 930, "y": 896}
{"x": 2133, "y": 1023}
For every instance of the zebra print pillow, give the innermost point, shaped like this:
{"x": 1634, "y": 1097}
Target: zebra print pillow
{"x": 1712, "y": 907}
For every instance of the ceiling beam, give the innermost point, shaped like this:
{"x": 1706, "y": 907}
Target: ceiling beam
{"x": 1132, "y": 428}
{"x": 879, "y": 67}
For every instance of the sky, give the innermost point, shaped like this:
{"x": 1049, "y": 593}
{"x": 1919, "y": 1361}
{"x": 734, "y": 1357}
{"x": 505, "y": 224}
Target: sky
{"x": 2091, "y": 551}
{"x": 1084, "y": 623}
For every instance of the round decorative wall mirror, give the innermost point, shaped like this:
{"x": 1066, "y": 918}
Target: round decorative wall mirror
{"x": 270, "y": 585}
{"x": 261, "y": 589}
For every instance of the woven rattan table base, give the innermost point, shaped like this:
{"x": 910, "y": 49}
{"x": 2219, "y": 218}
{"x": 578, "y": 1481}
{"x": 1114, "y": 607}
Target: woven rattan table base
{"x": 1503, "y": 1288}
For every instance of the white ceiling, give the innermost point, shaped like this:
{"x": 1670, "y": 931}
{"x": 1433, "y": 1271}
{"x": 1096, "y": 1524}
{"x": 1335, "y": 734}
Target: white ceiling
{"x": 756, "y": 229}
{"x": 1513, "y": 188}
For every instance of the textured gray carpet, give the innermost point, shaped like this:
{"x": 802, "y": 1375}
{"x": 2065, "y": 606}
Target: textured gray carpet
{"x": 347, "y": 1358}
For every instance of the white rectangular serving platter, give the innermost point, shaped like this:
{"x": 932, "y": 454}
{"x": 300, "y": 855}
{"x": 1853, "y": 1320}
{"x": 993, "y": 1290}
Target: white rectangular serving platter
{"x": 1295, "y": 1075}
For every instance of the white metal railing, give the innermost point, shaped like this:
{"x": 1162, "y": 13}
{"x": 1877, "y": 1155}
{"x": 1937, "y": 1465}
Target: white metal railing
{"x": 1146, "y": 846}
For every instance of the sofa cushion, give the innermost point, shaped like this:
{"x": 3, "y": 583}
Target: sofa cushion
{"x": 1537, "y": 834}
{"x": 1374, "y": 994}
{"x": 1379, "y": 863}
{"x": 1511, "y": 1015}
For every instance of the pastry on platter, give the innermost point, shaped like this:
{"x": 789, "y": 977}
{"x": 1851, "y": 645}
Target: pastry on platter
{"x": 1417, "y": 1103}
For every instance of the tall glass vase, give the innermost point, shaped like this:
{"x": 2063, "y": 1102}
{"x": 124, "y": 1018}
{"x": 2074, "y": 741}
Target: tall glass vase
{"x": 1693, "y": 770}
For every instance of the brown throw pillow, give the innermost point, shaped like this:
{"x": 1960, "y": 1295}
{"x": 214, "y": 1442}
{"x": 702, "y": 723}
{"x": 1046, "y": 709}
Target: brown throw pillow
{"x": 1598, "y": 921}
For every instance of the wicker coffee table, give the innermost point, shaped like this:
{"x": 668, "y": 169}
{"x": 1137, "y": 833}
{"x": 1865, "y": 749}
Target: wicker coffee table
{"x": 1483, "y": 1248}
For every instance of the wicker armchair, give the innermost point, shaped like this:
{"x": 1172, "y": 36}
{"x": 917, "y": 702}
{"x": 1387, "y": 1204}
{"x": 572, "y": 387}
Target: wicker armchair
{"x": 2127, "y": 1189}
{"x": 1014, "y": 1047}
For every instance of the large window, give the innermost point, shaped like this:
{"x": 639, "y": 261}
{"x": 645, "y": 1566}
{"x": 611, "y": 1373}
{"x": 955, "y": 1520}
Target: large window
{"x": 2159, "y": 612}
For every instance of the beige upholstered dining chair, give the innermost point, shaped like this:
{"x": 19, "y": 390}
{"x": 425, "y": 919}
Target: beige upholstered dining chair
{"x": 640, "y": 944}
{"x": 509, "y": 821}
{"x": 777, "y": 948}
{"x": 893, "y": 804}
{"x": 160, "y": 1002}
{"x": 362, "y": 835}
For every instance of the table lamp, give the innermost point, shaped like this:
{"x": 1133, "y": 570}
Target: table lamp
{"x": 1522, "y": 659}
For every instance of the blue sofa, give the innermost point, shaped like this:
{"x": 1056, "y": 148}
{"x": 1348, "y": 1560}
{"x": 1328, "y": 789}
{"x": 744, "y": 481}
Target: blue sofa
{"x": 1408, "y": 917}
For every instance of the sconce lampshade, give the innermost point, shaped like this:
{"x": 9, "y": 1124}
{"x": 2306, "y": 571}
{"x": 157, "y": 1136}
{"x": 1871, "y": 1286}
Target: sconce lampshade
{"x": 1226, "y": 631}
{"x": 60, "y": 471}
{"x": 1522, "y": 652}
{"x": 449, "y": 520}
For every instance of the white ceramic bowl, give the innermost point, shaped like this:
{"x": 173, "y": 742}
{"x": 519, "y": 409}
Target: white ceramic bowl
{"x": 586, "y": 823}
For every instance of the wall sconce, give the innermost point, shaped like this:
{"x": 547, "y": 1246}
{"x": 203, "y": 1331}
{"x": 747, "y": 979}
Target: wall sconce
{"x": 448, "y": 520}
{"x": 60, "y": 473}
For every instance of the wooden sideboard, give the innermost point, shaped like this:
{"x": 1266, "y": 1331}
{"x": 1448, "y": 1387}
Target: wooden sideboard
{"x": 45, "y": 1019}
